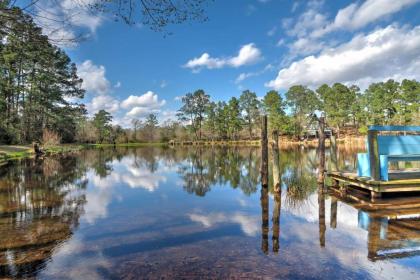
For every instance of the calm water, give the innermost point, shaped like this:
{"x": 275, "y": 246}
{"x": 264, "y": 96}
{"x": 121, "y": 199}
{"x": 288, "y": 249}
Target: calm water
{"x": 191, "y": 213}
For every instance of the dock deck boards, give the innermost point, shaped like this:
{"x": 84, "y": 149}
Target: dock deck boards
{"x": 397, "y": 185}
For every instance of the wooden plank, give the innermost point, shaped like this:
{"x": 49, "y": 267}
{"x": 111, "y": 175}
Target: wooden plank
{"x": 408, "y": 185}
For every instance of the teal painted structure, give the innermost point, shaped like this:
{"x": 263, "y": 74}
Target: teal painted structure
{"x": 394, "y": 128}
{"x": 363, "y": 166}
{"x": 391, "y": 148}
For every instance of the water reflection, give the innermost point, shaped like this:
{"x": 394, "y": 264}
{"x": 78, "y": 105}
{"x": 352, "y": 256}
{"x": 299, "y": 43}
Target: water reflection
{"x": 204, "y": 167}
{"x": 193, "y": 213}
{"x": 392, "y": 225}
{"x": 40, "y": 205}
{"x": 276, "y": 221}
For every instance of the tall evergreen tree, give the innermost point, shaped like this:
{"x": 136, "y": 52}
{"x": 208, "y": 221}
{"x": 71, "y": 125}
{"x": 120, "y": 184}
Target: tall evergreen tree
{"x": 250, "y": 107}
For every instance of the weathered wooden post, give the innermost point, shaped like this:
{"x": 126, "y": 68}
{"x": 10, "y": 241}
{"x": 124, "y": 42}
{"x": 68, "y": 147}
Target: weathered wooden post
{"x": 37, "y": 149}
{"x": 264, "y": 152}
{"x": 333, "y": 218}
{"x": 321, "y": 149}
{"x": 276, "y": 162}
{"x": 264, "y": 185}
{"x": 373, "y": 150}
{"x": 333, "y": 152}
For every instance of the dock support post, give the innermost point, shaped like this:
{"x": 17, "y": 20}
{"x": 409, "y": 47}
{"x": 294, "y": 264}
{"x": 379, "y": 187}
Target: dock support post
{"x": 276, "y": 162}
{"x": 375, "y": 195}
{"x": 343, "y": 189}
{"x": 373, "y": 151}
{"x": 321, "y": 149}
{"x": 264, "y": 152}
{"x": 333, "y": 152}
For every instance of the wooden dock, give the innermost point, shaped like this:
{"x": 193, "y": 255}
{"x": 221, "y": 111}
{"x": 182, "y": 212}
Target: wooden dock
{"x": 376, "y": 187}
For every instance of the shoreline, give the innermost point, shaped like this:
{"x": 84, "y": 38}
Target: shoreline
{"x": 283, "y": 141}
{"x": 14, "y": 152}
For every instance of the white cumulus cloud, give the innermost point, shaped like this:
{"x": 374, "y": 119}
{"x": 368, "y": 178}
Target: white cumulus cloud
{"x": 248, "y": 54}
{"x": 103, "y": 102}
{"x": 358, "y": 15}
{"x": 93, "y": 76}
{"x": 149, "y": 100}
{"x": 142, "y": 105}
{"x": 390, "y": 52}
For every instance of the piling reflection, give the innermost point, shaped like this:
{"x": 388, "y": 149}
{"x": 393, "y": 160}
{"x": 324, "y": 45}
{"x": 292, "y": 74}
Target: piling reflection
{"x": 276, "y": 221}
{"x": 264, "y": 219}
{"x": 321, "y": 214}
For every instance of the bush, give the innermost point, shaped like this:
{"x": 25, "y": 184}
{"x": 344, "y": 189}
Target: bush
{"x": 50, "y": 138}
{"x": 7, "y": 137}
{"x": 363, "y": 129}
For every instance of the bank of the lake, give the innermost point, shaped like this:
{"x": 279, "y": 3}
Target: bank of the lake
{"x": 11, "y": 152}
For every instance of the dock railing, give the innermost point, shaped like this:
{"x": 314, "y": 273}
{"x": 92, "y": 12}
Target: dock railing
{"x": 384, "y": 148}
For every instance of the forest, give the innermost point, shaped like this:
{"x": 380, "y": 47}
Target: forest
{"x": 41, "y": 101}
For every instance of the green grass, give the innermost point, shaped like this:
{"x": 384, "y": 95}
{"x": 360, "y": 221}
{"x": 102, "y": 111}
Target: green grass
{"x": 24, "y": 151}
{"x": 10, "y": 152}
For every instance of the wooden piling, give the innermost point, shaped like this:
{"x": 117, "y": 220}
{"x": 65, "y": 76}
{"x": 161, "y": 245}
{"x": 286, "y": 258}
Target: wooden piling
{"x": 264, "y": 152}
{"x": 276, "y": 162}
{"x": 321, "y": 150}
{"x": 373, "y": 150}
{"x": 333, "y": 152}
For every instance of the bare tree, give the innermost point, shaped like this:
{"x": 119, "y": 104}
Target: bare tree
{"x": 60, "y": 20}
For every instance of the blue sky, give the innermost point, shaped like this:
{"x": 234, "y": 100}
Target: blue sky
{"x": 250, "y": 44}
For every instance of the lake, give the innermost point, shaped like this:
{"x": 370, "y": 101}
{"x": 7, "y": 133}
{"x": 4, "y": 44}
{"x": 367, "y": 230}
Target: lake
{"x": 194, "y": 213}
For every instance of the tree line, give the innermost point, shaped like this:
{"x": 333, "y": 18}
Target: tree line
{"x": 40, "y": 100}
{"x": 347, "y": 109}
{"x": 38, "y": 82}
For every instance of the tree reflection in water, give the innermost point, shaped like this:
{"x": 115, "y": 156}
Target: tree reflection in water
{"x": 203, "y": 168}
{"x": 40, "y": 205}
{"x": 42, "y": 200}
